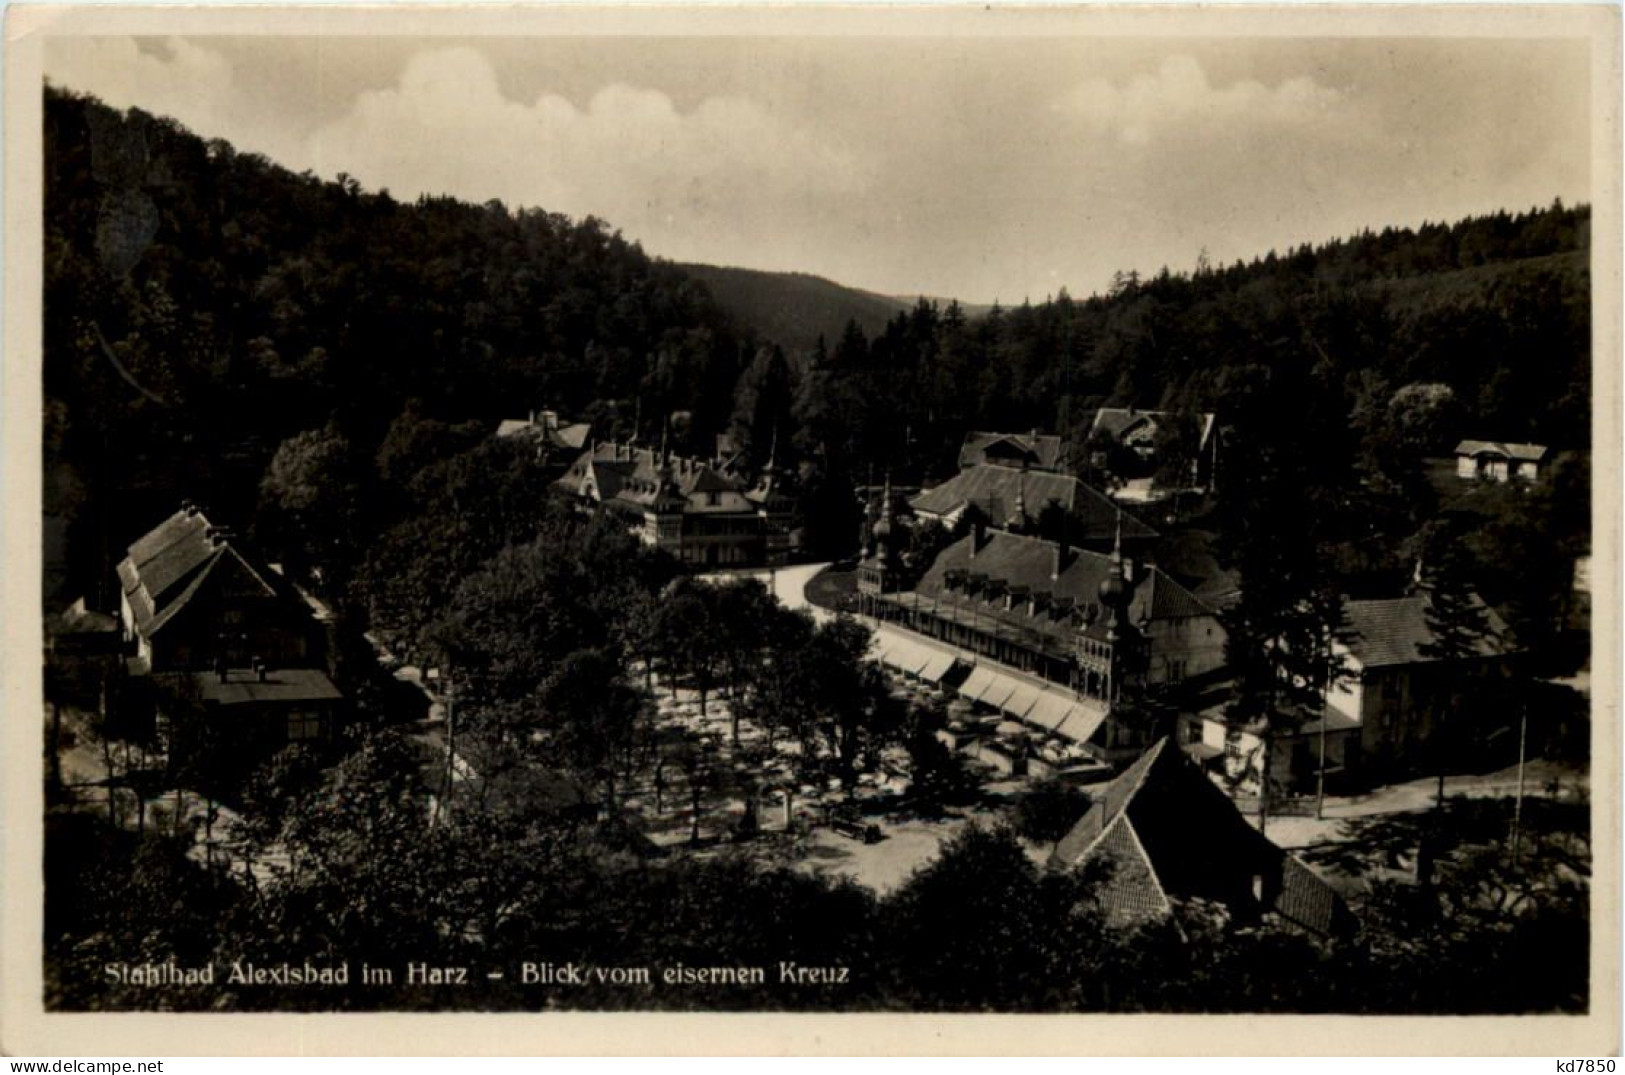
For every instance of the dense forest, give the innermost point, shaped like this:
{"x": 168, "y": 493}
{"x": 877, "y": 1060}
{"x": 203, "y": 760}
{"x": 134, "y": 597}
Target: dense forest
{"x": 794, "y": 309}
{"x": 204, "y": 305}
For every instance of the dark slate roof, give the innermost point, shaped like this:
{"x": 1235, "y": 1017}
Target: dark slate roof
{"x": 633, "y": 475}
{"x": 1188, "y": 557}
{"x": 282, "y": 686}
{"x": 1532, "y": 453}
{"x": 1168, "y": 831}
{"x": 1025, "y": 564}
{"x": 1120, "y": 421}
{"x": 1392, "y": 632}
{"x": 1131, "y": 894}
{"x": 1040, "y": 450}
{"x": 543, "y": 427}
{"x": 995, "y": 490}
{"x": 173, "y": 561}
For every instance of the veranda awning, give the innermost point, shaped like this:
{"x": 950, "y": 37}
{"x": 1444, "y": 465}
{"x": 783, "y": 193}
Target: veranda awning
{"x": 1081, "y": 723}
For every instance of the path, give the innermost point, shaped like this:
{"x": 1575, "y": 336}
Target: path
{"x": 1419, "y": 795}
{"x": 789, "y": 584}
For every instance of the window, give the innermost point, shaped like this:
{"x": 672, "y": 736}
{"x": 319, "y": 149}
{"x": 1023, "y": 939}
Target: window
{"x": 711, "y": 499}
{"x": 303, "y": 725}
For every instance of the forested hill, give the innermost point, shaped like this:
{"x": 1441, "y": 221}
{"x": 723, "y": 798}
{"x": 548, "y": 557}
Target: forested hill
{"x": 202, "y": 305}
{"x": 794, "y": 309}
{"x": 1496, "y": 308}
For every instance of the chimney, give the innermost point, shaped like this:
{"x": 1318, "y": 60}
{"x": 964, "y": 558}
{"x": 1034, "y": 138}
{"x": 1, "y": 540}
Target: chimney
{"x": 978, "y": 534}
{"x": 1060, "y": 559}
{"x": 550, "y": 420}
{"x": 259, "y": 669}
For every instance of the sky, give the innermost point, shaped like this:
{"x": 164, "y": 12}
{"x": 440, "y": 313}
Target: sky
{"x": 979, "y": 168}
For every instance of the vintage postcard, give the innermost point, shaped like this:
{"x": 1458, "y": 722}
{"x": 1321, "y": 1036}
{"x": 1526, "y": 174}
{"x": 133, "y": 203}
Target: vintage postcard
{"x": 798, "y": 530}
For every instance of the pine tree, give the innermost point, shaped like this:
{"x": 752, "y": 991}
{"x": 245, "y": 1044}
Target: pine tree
{"x": 1455, "y": 618}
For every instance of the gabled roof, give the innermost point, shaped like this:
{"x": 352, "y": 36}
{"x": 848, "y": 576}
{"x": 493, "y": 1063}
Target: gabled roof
{"x": 1022, "y": 562}
{"x": 1529, "y": 453}
{"x": 994, "y": 490}
{"x": 1121, "y": 421}
{"x": 513, "y": 427}
{"x": 571, "y": 437}
{"x": 170, "y": 564}
{"x": 1169, "y": 834}
{"x": 1189, "y": 557}
{"x": 634, "y": 476}
{"x": 1391, "y": 632}
{"x": 1040, "y": 450}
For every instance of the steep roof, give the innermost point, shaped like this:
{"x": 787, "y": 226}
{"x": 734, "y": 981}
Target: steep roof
{"x": 570, "y": 437}
{"x": 1390, "y": 632}
{"x": 633, "y": 475}
{"x": 994, "y": 489}
{"x": 169, "y": 565}
{"x": 1040, "y": 450}
{"x": 1022, "y": 562}
{"x": 1120, "y": 421}
{"x": 1169, "y": 834}
{"x": 1531, "y": 453}
{"x": 1189, "y": 557}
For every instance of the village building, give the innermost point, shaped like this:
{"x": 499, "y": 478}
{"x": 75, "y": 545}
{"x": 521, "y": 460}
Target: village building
{"x": 1022, "y": 500}
{"x": 1381, "y": 715}
{"x": 704, "y": 514}
{"x": 1500, "y": 460}
{"x": 544, "y": 429}
{"x": 192, "y": 598}
{"x": 212, "y": 630}
{"x": 1033, "y": 451}
{"x": 80, "y": 631}
{"x": 1169, "y": 836}
{"x": 1139, "y": 431}
{"x": 1061, "y": 639}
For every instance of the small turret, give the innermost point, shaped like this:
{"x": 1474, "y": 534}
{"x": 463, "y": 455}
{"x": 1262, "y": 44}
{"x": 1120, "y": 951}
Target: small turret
{"x": 1116, "y": 589}
{"x": 884, "y": 550}
{"x": 1018, "y": 521}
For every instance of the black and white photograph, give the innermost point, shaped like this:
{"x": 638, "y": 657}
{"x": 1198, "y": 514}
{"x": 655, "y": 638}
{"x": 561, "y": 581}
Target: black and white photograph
{"x": 899, "y": 512}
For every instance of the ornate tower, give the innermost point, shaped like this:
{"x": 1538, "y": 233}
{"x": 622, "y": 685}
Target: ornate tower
{"x": 878, "y": 572}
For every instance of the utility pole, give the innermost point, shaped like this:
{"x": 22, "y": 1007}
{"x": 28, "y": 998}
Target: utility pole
{"x": 1320, "y": 778}
{"x": 1325, "y": 711}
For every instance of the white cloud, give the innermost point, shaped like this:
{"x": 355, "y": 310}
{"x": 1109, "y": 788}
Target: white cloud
{"x": 1180, "y": 98}
{"x": 629, "y": 155}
